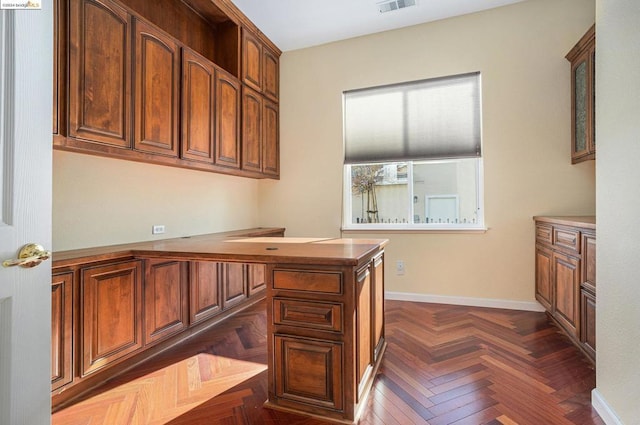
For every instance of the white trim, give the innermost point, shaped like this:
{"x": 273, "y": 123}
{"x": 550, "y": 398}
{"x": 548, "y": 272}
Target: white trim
{"x": 604, "y": 410}
{"x": 468, "y": 301}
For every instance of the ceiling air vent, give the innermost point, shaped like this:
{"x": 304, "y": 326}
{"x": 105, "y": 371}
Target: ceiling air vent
{"x": 388, "y": 6}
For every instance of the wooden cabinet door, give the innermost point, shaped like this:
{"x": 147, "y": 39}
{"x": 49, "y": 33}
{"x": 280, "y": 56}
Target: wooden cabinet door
{"x": 157, "y": 82}
{"x": 309, "y": 371}
{"x": 251, "y": 130}
{"x": 60, "y": 43}
{"x": 588, "y": 322}
{"x": 251, "y": 60}
{"x": 544, "y": 285}
{"x": 270, "y": 74}
{"x": 111, "y": 314}
{"x": 270, "y": 139}
{"x": 364, "y": 348}
{"x": 166, "y": 304}
{"x": 204, "y": 284}
{"x": 61, "y": 330}
{"x": 198, "y": 107}
{"x": 566, "y": 277}
{"x": 227, "y": 120}
{"x": 256, "y": 274}
{"x": 234, "y": 289}
{"x": 100, "y": 72}
{"x": 377, "y": 298}
{"x": 589, "y": 259}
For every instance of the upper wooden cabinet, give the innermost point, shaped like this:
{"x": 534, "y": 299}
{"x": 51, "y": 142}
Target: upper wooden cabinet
{"x": 260, "y": 66}
{"x": 99, "y": 72}
{"x": 157, "y": 77}
{"x": 251, "y": 130}
{"x": 198, "y": 107}
{"x": 160, "y": 82}
{"x": 583, "y": 135}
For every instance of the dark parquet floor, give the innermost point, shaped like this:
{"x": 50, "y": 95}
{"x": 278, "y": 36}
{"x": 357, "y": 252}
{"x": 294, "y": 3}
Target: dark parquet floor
{"x": 444, "y": 365}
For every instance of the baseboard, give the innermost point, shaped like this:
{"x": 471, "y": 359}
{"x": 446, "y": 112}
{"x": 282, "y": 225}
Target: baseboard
{"x": 603, "y": 409}
{"x": 469, "y": 301}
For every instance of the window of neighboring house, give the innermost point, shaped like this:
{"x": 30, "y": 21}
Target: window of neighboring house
{"x": 413, "y": 155}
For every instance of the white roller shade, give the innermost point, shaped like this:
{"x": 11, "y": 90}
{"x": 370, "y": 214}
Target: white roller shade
{"x": 430, "y": 119}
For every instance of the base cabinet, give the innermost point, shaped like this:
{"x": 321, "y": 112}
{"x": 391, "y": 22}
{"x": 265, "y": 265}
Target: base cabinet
{"x": 166, "y": 310}
{"x": 326, "y": 337}
{"x": 565, "y": 275}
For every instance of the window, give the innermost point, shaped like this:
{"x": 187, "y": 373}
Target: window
{"x": 413, "y": 155}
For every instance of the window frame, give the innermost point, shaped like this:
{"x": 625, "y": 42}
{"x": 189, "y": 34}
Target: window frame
{"x": 347, "y": 209}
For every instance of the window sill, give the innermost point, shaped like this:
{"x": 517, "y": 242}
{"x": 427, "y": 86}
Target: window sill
{"x": 411, "y": 229}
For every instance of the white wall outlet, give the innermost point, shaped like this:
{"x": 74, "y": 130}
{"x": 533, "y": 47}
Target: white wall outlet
{"x": 399, "y": 267}
{"x": 157, "y": 229}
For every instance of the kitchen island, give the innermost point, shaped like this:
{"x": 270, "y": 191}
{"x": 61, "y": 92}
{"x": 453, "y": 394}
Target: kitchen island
{"x": 325, "y": 311}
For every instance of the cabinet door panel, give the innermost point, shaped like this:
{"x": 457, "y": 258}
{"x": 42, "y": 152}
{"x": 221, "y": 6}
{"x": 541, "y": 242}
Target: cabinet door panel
{"x": 566, "y": 271}
{"x": 61, "y": 330}
{"x": 251, "y": 60}
{"x": 233, "y": 284}
{"x": 588, "y": 322}
{"x": 198, "y": 107}
{"x": 589, "y": 259}
{"x": 256, "y": 278}
{"x": 309, "y": 371}
{"x": 271, "y": 139}
{"x": 227, "y": 120}
{"x": 204, "y": 290}
{"x": 100, "y": 76}
{"x": 165, "y": 288}
{"x": 111, "y": 313}
{"x": 156, "y": 96}
{"x": 544, "y": 288}
{"x": 251, "y": 130}
{"x": 271, "y": 74}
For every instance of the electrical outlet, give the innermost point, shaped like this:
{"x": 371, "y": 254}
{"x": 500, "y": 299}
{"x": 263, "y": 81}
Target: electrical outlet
{"x": 157, "y": 229}
{"x": 399, "y": 267}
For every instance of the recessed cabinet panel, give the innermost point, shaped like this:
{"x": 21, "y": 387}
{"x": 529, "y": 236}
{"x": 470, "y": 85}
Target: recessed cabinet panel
{"x": 166, "y": 309}
{"x": 271, "y": 139}
{"x": 256, "y": 278}
{"x": 99, "y": 72}
{"x": 377, "y": 317}
{"x": 198, "y": 107}
{"x": 566, "y": 273}
{"x": 157, "y": 76}
{"x": 251, "y": 60}
{"x": 271, "y": 74}
{"x": 227, "y": 120}
{"x": 204, "y": 291}
{"x": 310, "y": 371}
{"x": 251, "y": 130}
{"x": 61, "y": 330}
{"x": 588, "y": 322}
{"x": 234, "y": 289}
{"x": 363, "y": 330}
{"x": 544, "y": 291}
{"x": 111, "y": 306}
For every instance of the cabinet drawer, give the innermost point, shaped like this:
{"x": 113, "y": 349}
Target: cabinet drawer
{"x": 316, "y": 315}
{"x": 566, "y": 238}
{"x": 543, "y": 234}
{"x": 308, "y": 281}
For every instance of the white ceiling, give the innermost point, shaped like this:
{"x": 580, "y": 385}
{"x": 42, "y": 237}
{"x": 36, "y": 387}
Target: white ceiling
{"x": 295, "y": 24}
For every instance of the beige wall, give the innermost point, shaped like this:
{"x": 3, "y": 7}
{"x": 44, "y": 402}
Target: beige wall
{"x": 101, "y": 201}
{"x": 520, "y": 51}
{"x": 618, "y": 204}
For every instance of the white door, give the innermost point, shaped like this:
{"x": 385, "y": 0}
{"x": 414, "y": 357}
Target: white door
{"x": 25, "y": 213}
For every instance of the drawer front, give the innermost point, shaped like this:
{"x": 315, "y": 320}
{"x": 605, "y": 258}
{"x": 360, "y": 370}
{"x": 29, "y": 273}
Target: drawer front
{"x": 566, "y": 238}
{"x": 543, "y": 234}
{"x": 308, "y": 281}
{"x": 315, "y": 315}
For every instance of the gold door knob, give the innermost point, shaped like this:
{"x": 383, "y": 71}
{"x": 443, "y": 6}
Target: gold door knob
{"x": 29, "y": 256}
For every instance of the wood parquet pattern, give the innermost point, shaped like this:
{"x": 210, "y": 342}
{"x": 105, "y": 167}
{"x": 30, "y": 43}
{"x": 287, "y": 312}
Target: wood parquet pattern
{"x": 444, "y": 365}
